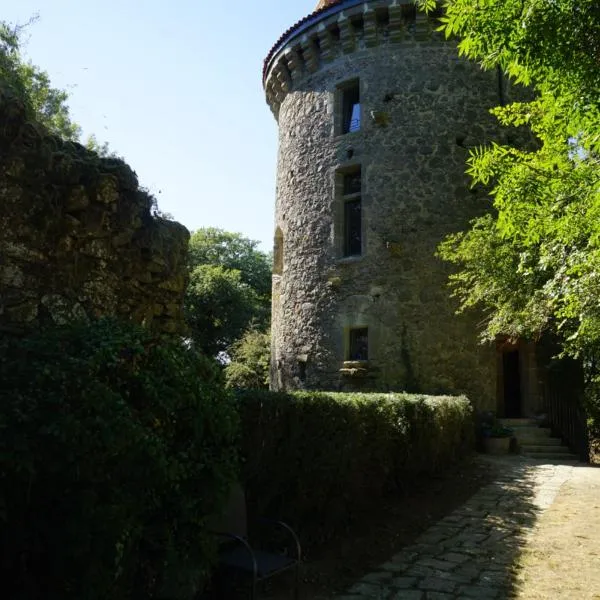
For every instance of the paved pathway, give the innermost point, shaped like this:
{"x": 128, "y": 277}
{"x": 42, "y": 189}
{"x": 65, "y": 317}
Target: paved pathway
{"x": 471, "y": 552}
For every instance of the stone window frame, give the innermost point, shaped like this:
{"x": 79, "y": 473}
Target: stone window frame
{"x": 348, "y": 342}
{"x": 341, "y": 94}
{"x": 341, "y": 199}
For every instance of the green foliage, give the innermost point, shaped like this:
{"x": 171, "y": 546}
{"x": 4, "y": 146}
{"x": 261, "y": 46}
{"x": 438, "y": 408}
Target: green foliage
{"x": 250, "y": 361}
{"x": 219, "y": 306}
{"x": 316, "y": 459}
{"x": 232, "y": 251}
{"x": 44, "y": 103}
{"x": 533, "y": 263}
{"x": 230, "y": 288}
{"x": 102, "y": 149}
{"x": 115, "y": 447}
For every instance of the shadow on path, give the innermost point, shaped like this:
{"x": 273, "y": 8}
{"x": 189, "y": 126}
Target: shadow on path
{"x": 472, "y": 552}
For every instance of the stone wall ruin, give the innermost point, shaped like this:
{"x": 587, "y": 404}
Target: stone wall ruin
{"x": 77, "y": 235}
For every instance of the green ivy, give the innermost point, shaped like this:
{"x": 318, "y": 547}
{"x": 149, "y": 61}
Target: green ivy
{"x": 115, "y": 447}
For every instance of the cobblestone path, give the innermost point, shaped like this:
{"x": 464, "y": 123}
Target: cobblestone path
{"x": 470, "y": 553}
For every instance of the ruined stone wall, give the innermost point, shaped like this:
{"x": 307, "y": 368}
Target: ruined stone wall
{"x": 421, "y": 107}
{"x": 77, "y": 237}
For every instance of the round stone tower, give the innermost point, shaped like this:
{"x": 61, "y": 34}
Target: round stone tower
{"x": 376, "y": 113}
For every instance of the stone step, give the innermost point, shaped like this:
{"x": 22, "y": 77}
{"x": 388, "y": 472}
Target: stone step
{"x": 531, "y": 449}
{"x": 533, "y": 440}
{"x": 531, "y": 431}
{"x": 566, "y": 456}
{"x": 518, "y": 422}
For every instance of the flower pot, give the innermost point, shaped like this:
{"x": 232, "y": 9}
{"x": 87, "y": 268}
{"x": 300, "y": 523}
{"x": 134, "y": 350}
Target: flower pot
{"x": 496, "y": 445}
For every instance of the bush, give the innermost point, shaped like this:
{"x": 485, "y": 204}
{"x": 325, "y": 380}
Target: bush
{"x": 250, "y": 360}
{"x": 316, "y": 459}
{"x": 115, "y": 447}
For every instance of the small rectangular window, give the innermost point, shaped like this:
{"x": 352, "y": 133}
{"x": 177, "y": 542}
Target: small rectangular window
{"x": 352, "y": 213}
{"x": 351, "y": 108}
{"x": 352, "y": 227}
{"x": 352, "y": 183}
{"x": 358, "y": 346}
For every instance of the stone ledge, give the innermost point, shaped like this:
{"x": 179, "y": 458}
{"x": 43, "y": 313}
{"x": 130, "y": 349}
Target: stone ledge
{"x": 350, "y": 260}
{"x": 355, "y": 368}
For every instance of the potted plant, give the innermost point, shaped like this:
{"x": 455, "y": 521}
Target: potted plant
{"x": 496, "y": 437}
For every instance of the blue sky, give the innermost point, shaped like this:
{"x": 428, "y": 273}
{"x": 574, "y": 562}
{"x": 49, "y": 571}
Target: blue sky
{"x": 175, "y": 88}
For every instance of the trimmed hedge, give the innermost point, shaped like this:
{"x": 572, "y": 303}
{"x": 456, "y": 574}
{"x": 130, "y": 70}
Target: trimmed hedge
{"x": 316, "y": 458}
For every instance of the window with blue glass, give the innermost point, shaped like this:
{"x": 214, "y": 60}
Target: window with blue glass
{"x": 350, "y": 107}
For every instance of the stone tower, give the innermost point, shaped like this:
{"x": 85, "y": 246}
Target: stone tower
{"x": 376, "y": 112}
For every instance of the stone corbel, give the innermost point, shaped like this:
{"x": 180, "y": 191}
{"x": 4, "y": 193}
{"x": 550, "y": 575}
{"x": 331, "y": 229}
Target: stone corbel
{"x": 325, "y": 42}
{"x": 370, "y": 27}
{"x": 283, "y": 77}
{"x": 294, "y": 63}
{"x": 422, "y": 26}
{"x": 347, "y": 35}
{"x": 310, "y": 53}
{"x": 396, "y": 22}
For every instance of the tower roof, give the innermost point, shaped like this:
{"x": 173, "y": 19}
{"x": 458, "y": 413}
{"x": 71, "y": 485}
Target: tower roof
{"x": 321, "y": 9}
{"x": 324, "y": 3}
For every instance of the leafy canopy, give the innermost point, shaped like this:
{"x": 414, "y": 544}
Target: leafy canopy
{"x": 230, "y": 288}
{"x": 219, "y": 306}
{"x": 43, "y": 102}
{"x": 46, "y": 104}
{"x": 233, "y": 251}
{"x": 533, "y": 263}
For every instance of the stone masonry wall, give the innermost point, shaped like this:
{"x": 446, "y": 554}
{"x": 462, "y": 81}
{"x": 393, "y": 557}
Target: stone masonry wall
{"x": 77, "y": 236}
{"x": 428, "y": 106}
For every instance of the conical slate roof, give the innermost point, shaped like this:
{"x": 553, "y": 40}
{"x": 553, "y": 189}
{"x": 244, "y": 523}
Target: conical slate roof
{"x": 322, "y": 6}
{"x": 325, "y": 3}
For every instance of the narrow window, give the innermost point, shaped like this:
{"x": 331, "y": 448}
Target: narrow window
{"x": 352, "y": 214}
{"x": 352, "y": 183}
{"x": 358, "y": 345}
{"x": 350, "y": 107}
{"x": 278, "y": 252}
{"x": 501, "y": 87}
{"x": 352, "y": 226}
{"x": 302, "y": 371}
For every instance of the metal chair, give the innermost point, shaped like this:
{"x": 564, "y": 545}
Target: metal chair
{"x": 236, "y": 552}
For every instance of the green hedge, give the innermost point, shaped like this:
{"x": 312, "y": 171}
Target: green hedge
{"x": 315, "y": 459}
{"x": 114, "y": 448}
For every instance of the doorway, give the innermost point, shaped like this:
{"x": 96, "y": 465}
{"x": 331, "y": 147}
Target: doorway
{"x": 511, "y": 376}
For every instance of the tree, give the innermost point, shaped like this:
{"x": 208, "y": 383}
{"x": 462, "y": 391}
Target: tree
{"x": 219, "y": 306}
{"x": 230, "y": 287}
{"x": 250, "y": 361}
{"x": 213, "y": 246}
{"x": 44, "y": 103}
{"x": 533, "y": 262}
